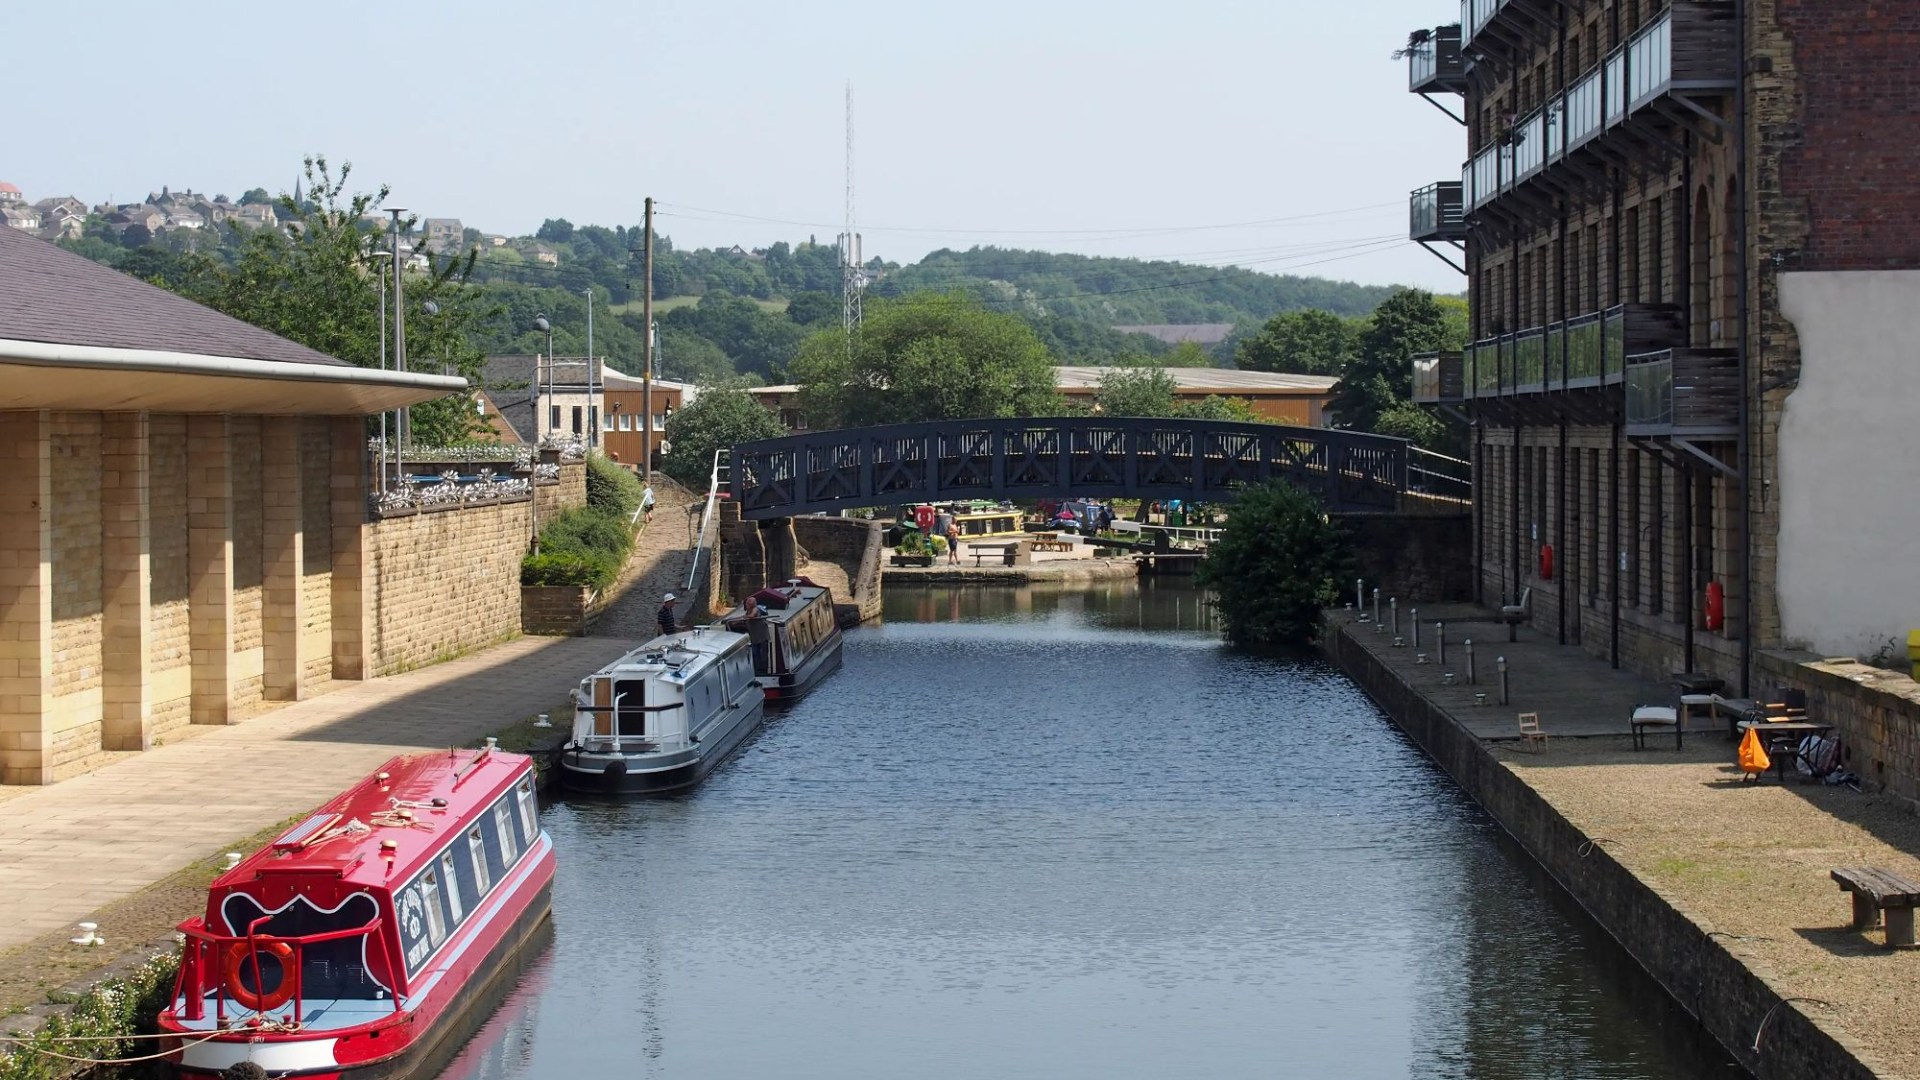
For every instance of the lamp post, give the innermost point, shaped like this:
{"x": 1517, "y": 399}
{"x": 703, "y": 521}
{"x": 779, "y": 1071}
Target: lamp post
{"x": 381, "y": 271}
{"x": 542, "y": 390}
{"x": 399, "y": 337}
{"x": 593, "y": 369}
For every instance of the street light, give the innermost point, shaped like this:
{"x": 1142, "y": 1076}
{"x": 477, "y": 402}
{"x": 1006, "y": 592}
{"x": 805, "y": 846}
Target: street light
{"x": 399, "y": 337}
{"x": 593, "y": 400}
{"x": 376, "y": 256}
{"x": 540, "y": 322}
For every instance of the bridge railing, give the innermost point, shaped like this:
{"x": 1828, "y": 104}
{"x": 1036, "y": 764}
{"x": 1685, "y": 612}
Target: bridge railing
{"x": 1088, "y": 457}
{"x": 1438, "y": 474}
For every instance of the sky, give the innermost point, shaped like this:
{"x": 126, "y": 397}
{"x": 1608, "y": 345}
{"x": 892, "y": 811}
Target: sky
{"x": 1273, "y": 134}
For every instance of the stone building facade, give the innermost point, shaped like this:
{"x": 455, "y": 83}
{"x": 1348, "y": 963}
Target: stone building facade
{"x": 185, "y": 529}
{"x": 1690, "y": 239}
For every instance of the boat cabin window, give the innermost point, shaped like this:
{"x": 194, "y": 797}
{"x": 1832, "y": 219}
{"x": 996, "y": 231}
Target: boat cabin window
{"x": 529, "y": 812}
{"x": 453, "y": 887}
{"x": 503, "y": 824}
{"x": 328, "y": 969}
{"x": 430, "y": 900}
{"x": 477, "y": 850}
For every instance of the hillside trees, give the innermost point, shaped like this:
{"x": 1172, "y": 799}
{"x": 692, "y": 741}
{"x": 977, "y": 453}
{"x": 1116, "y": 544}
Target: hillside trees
{"x": 1301, "y": 343}
{"x": 715, "y": 419}
{"x": 930, "y": 356}
{"x": 1380, "y": 375}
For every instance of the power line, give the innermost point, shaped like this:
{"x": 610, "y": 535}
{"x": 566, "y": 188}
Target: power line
{"x": 1127, "y": 232}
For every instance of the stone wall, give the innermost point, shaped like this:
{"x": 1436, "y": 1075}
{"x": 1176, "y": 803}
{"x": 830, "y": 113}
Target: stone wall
{"x": 1423, "y": 558}
{"x": 1876, "y": 714}
{"x": 855, "y": 546}
{"x": 171, "y": 641}
{"x": 1728, "y": 999}
{"x": 445, "y": 582}
{"x": 556, "y": 609}
{"x": 74, "y": 713}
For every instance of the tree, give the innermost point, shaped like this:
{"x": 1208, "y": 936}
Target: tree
{"x": 1136, "y": 391}
{"x": 930, "y": 356}
{"x": 687, "y": 357}
{"x": 1381, "y": 372}
{"x": 1215, "y": 407}
{"x": 555, "y": 231}
{"x": 255, "y": 196}
{"x": 1408, "y": 421}
{"x": 811, "y": 309}
{"x": 1278, "y": 562}
{"x": 1187, "y": 354}
{"x": 136, "y": 236}
{"x": 1311, "y": 342}
{"x": 715, "y": 419}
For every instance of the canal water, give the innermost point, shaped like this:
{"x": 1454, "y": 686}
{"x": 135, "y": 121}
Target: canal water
{"x": 1064, "y": 834}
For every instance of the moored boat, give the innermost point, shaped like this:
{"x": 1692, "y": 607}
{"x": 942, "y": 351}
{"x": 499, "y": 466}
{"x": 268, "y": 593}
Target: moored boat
{"x": 795, "y": 638}
{"x": 367, "y": 940}
{"x": 659, "y": 719}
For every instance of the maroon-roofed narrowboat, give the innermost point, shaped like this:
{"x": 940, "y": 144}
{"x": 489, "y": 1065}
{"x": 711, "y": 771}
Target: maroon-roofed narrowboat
{"x": 364, "y": 942}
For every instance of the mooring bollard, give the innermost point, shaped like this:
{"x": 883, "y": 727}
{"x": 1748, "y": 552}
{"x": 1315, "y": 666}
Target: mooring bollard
{"x": 1414, "y": 615}
{"x": 1440, "y": 637}
{"x": 1360, "y": 599}
{"x": 1393, "y": 610}
{"x": 1471, "y": 679}
{"x": 1501, "y": 663}
{"x": 1420, "y": 658}
{"x": 1376, "y": 610}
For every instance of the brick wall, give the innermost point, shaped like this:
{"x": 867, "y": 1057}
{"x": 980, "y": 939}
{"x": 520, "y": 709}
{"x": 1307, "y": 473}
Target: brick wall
{"x": 445, "y": 582}
{"x": 316, "y": 526}
{"x": 249, "y": 570}
{"x": 1421, "y": 559}
{"x": 171, "y": 637}
{"x": 854, "y": 546}
{"x": 571, "y": 491}
{"x": 76, "y": 552}
{"x": 1875, "y": 713}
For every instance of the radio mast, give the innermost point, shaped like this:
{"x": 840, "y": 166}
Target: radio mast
{"x": 853, "y": 278}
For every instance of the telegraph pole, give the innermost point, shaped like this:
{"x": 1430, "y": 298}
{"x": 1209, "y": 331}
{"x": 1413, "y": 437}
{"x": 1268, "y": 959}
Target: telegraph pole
{"x": 646, "y": 350}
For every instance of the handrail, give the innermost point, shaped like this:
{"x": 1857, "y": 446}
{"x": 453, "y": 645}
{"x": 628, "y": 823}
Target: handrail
{"x": 715, "y": 482}
{"x": 198, "y": 940}
{"x": 1443, "y": 470}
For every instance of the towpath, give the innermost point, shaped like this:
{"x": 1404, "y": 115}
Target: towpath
{"x": 1747, "y": 865}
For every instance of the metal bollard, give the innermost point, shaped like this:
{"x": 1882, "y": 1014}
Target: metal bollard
{"x": 1471, "y": 679}
{"x": 1413, "y": 615}
{"x": 1376, "y": 609}
{"x": 1440, "y": 638}
{"x": 1360, "y": 599}
{"x": 1393, "y": 611}
{"x": 1501, "y": 663}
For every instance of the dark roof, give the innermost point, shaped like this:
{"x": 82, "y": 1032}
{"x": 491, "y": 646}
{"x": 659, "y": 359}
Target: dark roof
{"x": 506, "y": 373}
{"x": 50, "y": 294}
{"x": 1180, "y": 333}
{"x": 517, "y": 411}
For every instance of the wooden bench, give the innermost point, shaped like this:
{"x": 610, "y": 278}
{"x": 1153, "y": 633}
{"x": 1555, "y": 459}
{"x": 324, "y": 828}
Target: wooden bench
{"x": 1005, "y": 551}
{"x": 1876, "y": 890}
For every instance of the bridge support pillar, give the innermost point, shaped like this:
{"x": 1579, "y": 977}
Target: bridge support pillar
{"x": 753, "y": 553}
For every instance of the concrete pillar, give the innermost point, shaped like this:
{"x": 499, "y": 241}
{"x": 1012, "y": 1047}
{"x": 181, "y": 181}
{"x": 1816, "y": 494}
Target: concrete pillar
{"x": 777, "y": 539}
{"x": 210, "y": 566}
{"x": 126, "y": 582}
{"x": 351, "y": 599}
{"x": 282, "y": 554}
{"x": 26, "y": 597}
{"x": 743, "y": 555}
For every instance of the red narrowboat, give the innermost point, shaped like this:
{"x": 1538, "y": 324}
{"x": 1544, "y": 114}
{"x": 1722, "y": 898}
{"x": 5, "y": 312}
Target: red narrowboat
{"x": 366, "y": 941}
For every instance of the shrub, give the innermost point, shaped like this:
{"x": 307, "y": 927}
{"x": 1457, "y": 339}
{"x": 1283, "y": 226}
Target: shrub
{"x": 1277, "y": 563}
{"x": 567, "y": 569}
{"x": 126, "y": 1005}
{"x": 611, "y": 488}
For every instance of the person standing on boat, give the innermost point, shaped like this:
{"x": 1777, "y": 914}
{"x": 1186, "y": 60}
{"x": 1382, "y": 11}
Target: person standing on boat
{"x": 753, "y": 623}
{"x": 669, "y": 623}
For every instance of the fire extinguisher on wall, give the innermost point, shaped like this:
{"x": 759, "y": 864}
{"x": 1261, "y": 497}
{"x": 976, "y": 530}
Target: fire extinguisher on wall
{"x": 1546, "y": 562}
{"x": 1716, "y": 606}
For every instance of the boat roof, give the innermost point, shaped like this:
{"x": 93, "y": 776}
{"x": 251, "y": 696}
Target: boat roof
{"x": 677, "y": 651}
{"x": 800, "y": 596}
{"x": 467, "y": 780}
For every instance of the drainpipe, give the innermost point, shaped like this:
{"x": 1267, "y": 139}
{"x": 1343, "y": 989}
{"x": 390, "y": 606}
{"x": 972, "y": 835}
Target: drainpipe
{"x": 1613, "y": 553}
{"x": 1560, "y": 531}
{"x": 1744, "y": 484}
{"x": 1686, "y": 588}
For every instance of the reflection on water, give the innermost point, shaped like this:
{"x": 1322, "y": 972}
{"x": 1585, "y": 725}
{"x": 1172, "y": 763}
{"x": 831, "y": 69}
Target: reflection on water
{"x": 1064, "y": 833}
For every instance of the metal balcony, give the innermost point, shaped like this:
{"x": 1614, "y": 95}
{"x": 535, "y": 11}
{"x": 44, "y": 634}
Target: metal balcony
{"x": 1434, "y": 65}
{"x": 1438, "y": 378}
{"x": 1584, "y": 353}
{"x": 1684, "y": 394}
{"x": 1689, "y": 51}
{"x": 1435, "y": 214}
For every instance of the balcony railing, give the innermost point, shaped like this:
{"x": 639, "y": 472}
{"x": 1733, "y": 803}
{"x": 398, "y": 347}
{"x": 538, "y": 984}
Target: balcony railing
{"x": 1435, "y": 66}
{"x": 1476, "y": 14}
{"x": 1438, "y": 378}
{"x": 1690, "y": 48}
{"x": 1435, "y": 213}
{"x": 1582, "y": 353}
{"x": 1684, "y": 392}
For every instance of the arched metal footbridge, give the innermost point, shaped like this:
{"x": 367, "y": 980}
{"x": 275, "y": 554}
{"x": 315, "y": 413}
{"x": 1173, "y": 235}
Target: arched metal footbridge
{"x": 1065, "y": 457}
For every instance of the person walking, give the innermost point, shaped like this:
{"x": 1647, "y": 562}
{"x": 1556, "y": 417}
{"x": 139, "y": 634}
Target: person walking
{"x": 953, "y": 542}
{"x": 646, "y": 503}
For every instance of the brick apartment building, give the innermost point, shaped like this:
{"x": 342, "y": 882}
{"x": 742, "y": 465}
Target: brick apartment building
{"x": 1691, "y": 235}
{"x": 183, "y": 513}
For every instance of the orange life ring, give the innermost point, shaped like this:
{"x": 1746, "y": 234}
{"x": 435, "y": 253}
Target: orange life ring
{"x": 237, "y": 954}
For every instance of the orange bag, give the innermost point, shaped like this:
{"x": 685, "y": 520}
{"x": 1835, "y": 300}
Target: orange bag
{"x": 1753, "y": 754}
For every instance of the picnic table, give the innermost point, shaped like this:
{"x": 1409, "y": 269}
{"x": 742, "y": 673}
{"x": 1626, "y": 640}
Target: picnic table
{"x": 1005, "y": 551}
{"x": 1047, "y": 541}
{"x": 1784, "y": 750}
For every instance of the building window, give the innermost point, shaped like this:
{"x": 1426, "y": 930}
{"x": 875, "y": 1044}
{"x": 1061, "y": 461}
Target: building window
{"x": 593, "y": 418}
{"x": 553, "y": 418}
{"x": 577, "y": 419}
{"x": 606, "y": 422}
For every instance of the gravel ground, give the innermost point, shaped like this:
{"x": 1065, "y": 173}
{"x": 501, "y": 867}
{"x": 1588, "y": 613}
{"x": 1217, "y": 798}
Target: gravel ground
{"x": 1749, "y": 862}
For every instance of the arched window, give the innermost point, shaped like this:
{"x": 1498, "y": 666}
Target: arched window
{"x": 1729, "y": 268}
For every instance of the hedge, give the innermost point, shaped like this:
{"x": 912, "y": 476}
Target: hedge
{"x": 583, "y": 546}
{"x": 612, "y": 488}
